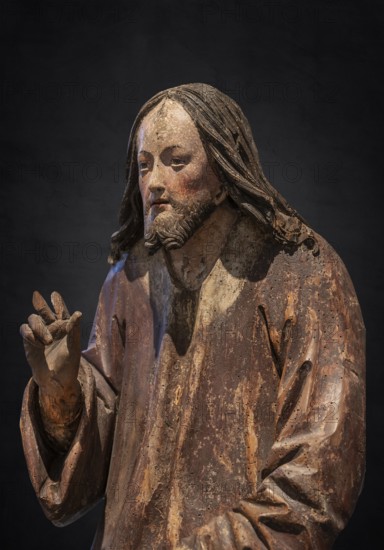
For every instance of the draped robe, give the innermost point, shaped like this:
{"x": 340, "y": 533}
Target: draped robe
{"x": 230, "y": 416}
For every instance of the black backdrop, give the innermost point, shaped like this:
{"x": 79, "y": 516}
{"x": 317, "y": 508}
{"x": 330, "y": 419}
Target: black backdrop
{"x": 308, "y": 76}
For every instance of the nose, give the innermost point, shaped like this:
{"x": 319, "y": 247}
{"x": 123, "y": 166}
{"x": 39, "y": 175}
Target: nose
{"x": 157, "y": 180}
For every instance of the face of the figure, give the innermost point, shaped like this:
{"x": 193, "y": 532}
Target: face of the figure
{"x": 178, "y": 187}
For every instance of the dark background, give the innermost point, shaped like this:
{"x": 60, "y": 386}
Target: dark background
{"x": 74, "y": 74}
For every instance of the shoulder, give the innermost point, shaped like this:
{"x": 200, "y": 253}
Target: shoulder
{"x": 329, "y": 265}
{"x": 320, "y": 280}
{"x": 320, "y": 264}
{"x": 317, "y": 280}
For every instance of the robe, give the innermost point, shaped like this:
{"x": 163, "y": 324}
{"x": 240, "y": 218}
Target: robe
{"x": 229, "y": 416}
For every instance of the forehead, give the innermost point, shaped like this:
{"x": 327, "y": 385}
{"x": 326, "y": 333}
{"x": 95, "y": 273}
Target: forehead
{"x": 167, "y": 125}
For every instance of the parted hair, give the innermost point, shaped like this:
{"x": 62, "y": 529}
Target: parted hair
{"x": 227, "y": 139}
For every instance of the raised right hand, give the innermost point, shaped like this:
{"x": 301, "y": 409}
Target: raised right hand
{"x": 52, "y": 346}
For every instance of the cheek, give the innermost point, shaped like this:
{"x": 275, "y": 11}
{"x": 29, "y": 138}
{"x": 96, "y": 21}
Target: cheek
{"x": 143, "y": 193}
{"x": 143, "y": 188}
{"x": 185, "y": 183}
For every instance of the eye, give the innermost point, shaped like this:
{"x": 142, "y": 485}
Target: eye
{"x": 143, "y": 166}
{"x": 177, "y": 162}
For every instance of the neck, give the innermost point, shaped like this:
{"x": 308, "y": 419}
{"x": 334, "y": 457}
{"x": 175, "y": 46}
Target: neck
{"x": 191, "y": 263}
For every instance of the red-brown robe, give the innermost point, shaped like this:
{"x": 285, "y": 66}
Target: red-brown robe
{"x": 227, "y": 417}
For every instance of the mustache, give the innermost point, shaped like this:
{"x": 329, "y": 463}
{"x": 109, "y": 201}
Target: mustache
{"x": 178, "y": 206}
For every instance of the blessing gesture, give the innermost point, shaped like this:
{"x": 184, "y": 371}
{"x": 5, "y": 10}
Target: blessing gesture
{"x": 52, "y": 344}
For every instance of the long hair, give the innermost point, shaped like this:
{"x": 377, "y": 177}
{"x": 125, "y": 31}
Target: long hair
{"x": 227, "y": 139}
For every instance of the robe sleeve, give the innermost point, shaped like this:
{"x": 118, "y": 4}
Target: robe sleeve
{"x": 69, "y": 483}
{"x": 314, "y": 472}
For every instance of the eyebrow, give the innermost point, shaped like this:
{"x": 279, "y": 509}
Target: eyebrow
{"x": 142, "y": 151}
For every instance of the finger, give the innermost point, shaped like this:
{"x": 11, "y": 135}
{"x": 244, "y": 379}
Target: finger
{"x": 42, "y": 308}
{"x": 59, "y": 306}
{"x": 39, "y": 329}
{"x": 74, "y": 321}
{"x": 28, "y": 336}
{"x": 58, "y": 329}
{"x": 74, "y": 332}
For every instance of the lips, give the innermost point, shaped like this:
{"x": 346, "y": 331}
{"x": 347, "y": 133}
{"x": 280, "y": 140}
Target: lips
{"x": 159, "y": 201}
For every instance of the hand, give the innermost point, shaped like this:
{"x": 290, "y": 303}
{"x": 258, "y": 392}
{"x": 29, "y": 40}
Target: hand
{"x": 52, "y": 347}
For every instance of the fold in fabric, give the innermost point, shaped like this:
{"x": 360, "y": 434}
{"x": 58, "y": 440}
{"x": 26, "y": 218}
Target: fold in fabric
{"x": 228, "y": 417}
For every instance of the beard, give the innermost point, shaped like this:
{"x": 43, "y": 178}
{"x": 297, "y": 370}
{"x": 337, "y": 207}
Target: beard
{"x": 172, "y": 229}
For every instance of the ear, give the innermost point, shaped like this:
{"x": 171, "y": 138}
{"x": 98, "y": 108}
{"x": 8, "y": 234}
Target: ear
{"x": 220, "y": 195}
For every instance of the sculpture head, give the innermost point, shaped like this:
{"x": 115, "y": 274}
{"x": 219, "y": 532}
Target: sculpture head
{"x": 178, "y": 186}
{"x": 219, "y": 162}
